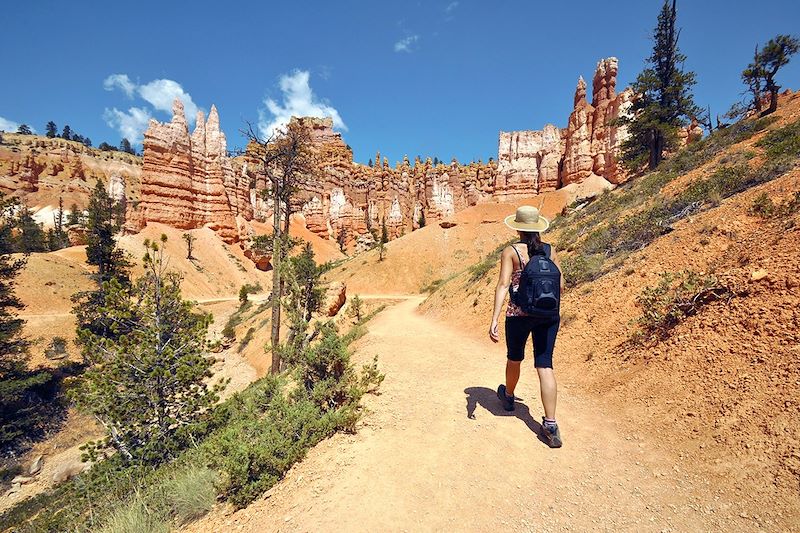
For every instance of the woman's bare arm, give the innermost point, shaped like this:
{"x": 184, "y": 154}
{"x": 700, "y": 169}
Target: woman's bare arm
{"x": 506, "y": 269}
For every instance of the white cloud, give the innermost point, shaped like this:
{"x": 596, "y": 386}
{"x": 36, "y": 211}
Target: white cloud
{"x": 8, "y": 125}
{"x": 161, "y": 93}
{"x": 406, "y": 44}
{"x": 298, "y": 101}
{"x": 158, "y": 93}
{"x": 121, "y": 81}
{"x": 131, "y": 125}
{"x": 451, "y": 7}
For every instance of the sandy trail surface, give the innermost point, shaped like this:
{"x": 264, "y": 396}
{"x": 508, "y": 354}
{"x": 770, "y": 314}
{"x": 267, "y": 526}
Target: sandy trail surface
{"x": 437, "y": 452}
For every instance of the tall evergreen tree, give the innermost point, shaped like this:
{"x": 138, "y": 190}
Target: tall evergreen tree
{"x": 31, "y": 237}
{"x": 103, "y": 222}
{"x": 663, "y": 100}
{"x": 18, "y": 413}
{"x": 148, "y": 386}
{"x": 51, "y": 130}
{"x": 75, "y": 215}
{"x": 57, "y": 237}
{"x": 24, "y": 129}
{"x": 66, "y": 133}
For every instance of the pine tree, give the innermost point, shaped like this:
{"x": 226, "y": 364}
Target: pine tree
{"x": 383, "y": 240}
{"x": 75, "y": 215}
{"x": 125, "y": 146}
{"x": 24, "y": 129}
{"x": 663, "y": 100}
{"x": 148, "y": 387}
{"x": 103, "y": 222}
{"x": 775, "y": 54}
{"x": 32, "y": 237}
{"x": 66, "y": 133}
{"x": 421, "y": 221}
{"x": 303, "y": 296}
{"x": 356, "y": 307}
{"x": 189, "y": 238}
{"x": 87, "y": 142}
{"x": 288, "y": 161}
{"x": 57, "y": 238}
{"x": 18, "y": 408}
{"x": 51, "y": 130}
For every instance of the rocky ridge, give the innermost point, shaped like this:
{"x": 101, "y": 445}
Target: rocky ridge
{"x": 40, "y": 170}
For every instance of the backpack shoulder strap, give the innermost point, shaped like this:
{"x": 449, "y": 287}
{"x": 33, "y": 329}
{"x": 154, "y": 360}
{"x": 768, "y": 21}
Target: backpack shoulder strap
{"x": 547, "y": 250}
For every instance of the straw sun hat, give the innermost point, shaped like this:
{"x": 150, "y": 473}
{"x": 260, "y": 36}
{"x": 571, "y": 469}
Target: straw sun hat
{"x": 527, "y": 218}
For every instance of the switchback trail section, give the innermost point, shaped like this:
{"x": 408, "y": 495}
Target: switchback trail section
{"x": 436, "y": 452}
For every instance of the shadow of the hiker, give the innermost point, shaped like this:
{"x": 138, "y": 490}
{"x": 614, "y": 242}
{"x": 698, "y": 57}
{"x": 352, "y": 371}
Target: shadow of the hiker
{"x": 487, "y": 398}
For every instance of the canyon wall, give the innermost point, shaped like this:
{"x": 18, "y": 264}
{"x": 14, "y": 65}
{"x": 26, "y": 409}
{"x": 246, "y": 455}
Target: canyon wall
{"x": 352, "y": 202}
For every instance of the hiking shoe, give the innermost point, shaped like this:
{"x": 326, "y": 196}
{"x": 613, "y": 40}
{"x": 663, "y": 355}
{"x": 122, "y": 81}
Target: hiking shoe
{"x": 551, "y": 434}
{"x": 507, "y": 401}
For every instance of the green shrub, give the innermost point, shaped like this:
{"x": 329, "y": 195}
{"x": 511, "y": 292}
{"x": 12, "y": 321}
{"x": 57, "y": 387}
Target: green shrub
{"x": 582, "y": 268}
{"x": 432, "y": 287}
{"x": 782, "y": 143}
{"x": 267, "y": 431}
{"x": 763, "y": 206}
{"x": 479, "y": 270}
{"x": 247, "y": 289}
{"x": 135, "y": 517}
{"x": 677, "y": 295}
{"x": 57, "y": 348}
{"x": 191, "y": 493}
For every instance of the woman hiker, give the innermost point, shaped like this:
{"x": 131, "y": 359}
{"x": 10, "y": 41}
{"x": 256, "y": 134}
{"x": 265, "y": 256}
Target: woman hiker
{"x": 533, "y": 309}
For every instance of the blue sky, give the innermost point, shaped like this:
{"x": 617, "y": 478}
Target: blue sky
{"x": 438, "y": 78}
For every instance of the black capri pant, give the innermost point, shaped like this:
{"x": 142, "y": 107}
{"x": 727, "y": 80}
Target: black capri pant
{"x": 544, "y": 331}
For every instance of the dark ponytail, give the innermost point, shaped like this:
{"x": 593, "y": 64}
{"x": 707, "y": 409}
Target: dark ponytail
{"x": 533, "y": 240}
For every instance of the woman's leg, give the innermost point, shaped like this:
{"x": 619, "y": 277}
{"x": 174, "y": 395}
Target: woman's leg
{"x": 517, "y": 331}
{"x": 544, "y": 340}
{"x": 547, "y": 386}
{"x": 512, "y": 375}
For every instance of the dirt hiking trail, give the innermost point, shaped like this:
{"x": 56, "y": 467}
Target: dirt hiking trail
{"x": 437, "y": 452}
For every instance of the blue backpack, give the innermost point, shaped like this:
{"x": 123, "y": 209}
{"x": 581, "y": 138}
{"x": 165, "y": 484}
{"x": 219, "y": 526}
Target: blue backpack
{"x": 539, "y": 291}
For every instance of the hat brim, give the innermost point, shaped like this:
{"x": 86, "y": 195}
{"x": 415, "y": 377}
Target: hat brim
{"x": 539, "y": 226}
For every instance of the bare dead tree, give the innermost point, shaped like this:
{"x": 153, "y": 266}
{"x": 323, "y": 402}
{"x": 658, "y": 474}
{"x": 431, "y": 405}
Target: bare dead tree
{"x": 288, "y": 161}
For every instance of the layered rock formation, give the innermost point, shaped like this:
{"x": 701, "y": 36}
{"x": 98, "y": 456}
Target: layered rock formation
{"x": 188, "y": 181}
{"x": 528, "y": 162}
{"x": 40, "y": 171}
{"x": 347, "y": 201}
{"x": 535, "y": 161}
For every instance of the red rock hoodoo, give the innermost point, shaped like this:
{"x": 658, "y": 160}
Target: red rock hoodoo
{"x": 537, "y": 161}
{"x": 188, "y": 181}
